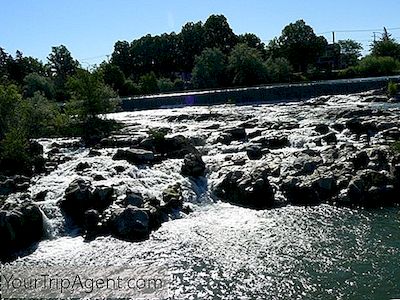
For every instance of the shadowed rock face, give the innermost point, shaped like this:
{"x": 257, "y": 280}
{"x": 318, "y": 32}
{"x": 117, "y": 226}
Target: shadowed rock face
{"x": 21, "y": 225}
{"x": 248, "y": 190}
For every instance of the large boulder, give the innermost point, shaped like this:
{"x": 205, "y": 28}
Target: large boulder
{"x": 251, "y": 190}
{"x": 370, "y": 188}
{"x": 130, "y": 224}
{"x": 172, "y": 147}
{"x": 272, "y": 142}
{"x": 254, "y": 152}
{"x": 193, "y": 165}
{"x": 21, "y": 225}
{"x": 172, "y": 197}
{"x": 135, "y": 156}
{"x": 80, "y": 197}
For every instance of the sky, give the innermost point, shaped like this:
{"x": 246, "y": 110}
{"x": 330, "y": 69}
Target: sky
{"x": 89, "y": 28}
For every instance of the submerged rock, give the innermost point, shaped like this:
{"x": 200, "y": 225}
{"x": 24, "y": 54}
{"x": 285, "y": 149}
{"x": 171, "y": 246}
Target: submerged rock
{"x": 251, "y": 190}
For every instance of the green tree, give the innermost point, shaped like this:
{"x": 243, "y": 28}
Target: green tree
{"x": 34, "y": 82}
{"x": 218, "y": 34}
{"x": 350, "y": 52}
{"x": 61, "y": 65}
{"x": 191, "y": 44}
{"x": 246, "y": 66}
{"x": 90, "y": 95}
{"x": 377, "y": 66}
{"x": 148, "y": 83}
{"x": 210, "y": 69}
{"x": 386, "y": 46}
{"x": 278, "y": 69}
{"x": 122, "y": 58}
{"x": 252, "y": 41}
{"x": 10, "y": 99}
{"x": 112, "y": 76}
{"x": 300, "y": 45}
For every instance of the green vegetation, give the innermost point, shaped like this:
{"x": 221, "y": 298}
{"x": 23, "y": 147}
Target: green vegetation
{"x": 392, "y": 89}
{"x": 396, "y": 147}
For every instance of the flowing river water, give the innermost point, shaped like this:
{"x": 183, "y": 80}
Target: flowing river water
{"x": 222, "y": 251}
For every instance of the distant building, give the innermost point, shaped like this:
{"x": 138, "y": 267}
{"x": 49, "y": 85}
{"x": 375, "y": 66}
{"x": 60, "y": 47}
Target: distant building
{"x": 330, "y": 59}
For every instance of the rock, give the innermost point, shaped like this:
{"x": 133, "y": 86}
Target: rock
{"x": 254, "y": 152}
{"x": 119, "y": 169}
{"x": 35, "y": 148}
{"x": 303, "y": 165}
{"x": 21, "y": 225}
{"x": 17, "y": 183}
{"x": 251, "y": 190}
{"x": 360, "y": 160}
{"x": 130, "y": 224}
{"x": 172, "y": 197}
{"x": 134, "y": 156}
{"x": 300, "y": 192}
{"x": 172, "y": 147}
{"x": 356, "y": 126}
{"x": 370, "y": 188}
{"x": 236, "y": 133}
{"x": 94, "y": 152}
{"x": 98, "y": 177}
{"x": 322, "y": 128}
{"x": 339, "y": 127}
{"x": 133, "y": 199}
{"x": 91, "y": 224}
{"x": 276, "y": 142}
{"x": 41, "y": 196}
{"x": 193, "y": 165}
{"x": 101, "y": 197}
{"x": 82, "y": 166}
{"x": 330, "y": 138}
{"x": 77, "y": 200}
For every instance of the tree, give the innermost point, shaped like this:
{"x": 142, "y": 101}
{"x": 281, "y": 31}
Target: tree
{"x": 278, "y": 69}
{"x": 218, "y": 34}
{"x": 246, "y": 66}
{"x": 61, "y": 66}
{"x": 191, "y": 44}
{"x": 210, "y": 69}
{"x": 112, "y": 76}
{"x": 34, "y": 82}
{"x": 252, "y": 41}
{"x": 386, "y": 46}
{"x": 148, "y": 83}
{"x": 350, "y": 52}
{"x": 121, "y": 57}
{"x": 300, "y": 45}
{"x": 90, "y": 96}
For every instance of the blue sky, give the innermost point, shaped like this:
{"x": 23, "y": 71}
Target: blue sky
{"x": 89, "y": 28}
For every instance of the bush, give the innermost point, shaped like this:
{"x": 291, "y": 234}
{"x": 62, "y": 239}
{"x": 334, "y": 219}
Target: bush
{"x": 392, "y": 88}
{"x": 246, "y": 66}
{"x": 10, "y": 99}
{"x": 210, "y": 69}
{"x": 36, "y": 83}
{"x": 396, "y": 147}
{"x": 278, "y": 70}
{"x": 148, "y": 84}
{"x": 129, "y": 88}
{"x": 378, "y": 66}
{"x": 165, "y": 85}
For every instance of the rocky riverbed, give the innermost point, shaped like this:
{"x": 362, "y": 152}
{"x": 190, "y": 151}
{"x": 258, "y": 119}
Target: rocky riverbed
{"x": 177, "y": 163}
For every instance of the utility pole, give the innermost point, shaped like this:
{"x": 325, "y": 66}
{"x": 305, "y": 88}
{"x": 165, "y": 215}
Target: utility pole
{"x": 333, "y": 37}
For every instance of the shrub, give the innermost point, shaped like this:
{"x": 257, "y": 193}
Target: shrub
{"x": 165, "y": 85}
{"x": 210, "y": 69}
{"x": 148, "y": 84}
{"x": 129, "y": 88}
{"x": 396, "y": 147}
{"x": 278, "y": 70}
{"x": 392, "y": 88}
{"x": 36, "y": 83}
{"x": 378, "y": 66}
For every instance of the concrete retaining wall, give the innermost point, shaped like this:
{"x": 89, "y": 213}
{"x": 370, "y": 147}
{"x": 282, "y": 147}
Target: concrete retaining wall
{"x": 267, "y": 94}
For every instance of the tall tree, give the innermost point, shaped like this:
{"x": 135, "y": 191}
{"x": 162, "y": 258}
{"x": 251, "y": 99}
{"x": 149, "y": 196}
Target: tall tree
{"x": 386, "y": 46}
{"x": 253, "y": 41}
{"x": 218, "y": 34}
{"x": 210, "y": 69}
{"x": 121, "y": 57}
{"x": 300, "y": 45}
{"x": 246, "y": 66}
{"x": 61, "y": 66}
{"x": 350, "y": 52}
{"x": 191, "y": 43}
